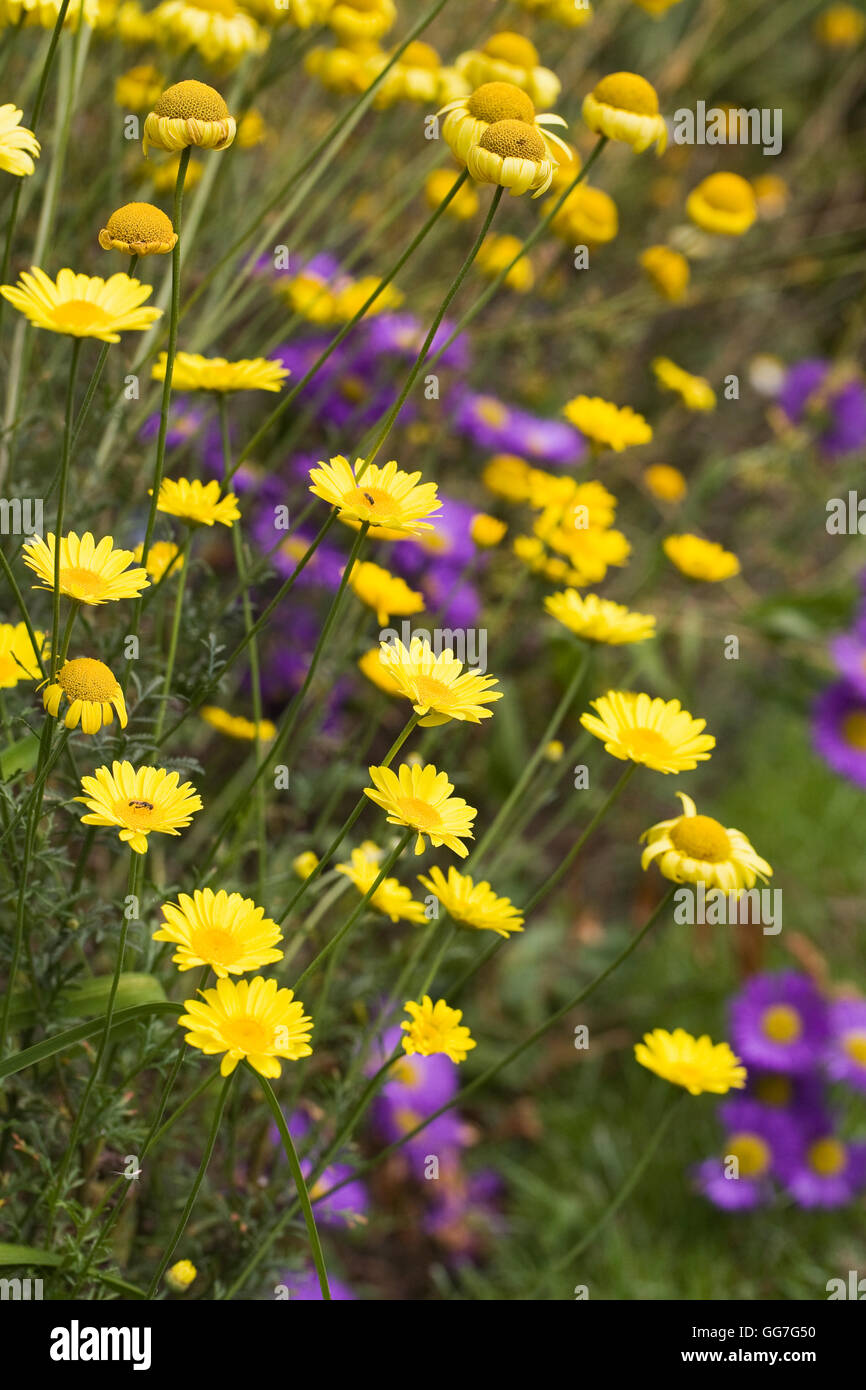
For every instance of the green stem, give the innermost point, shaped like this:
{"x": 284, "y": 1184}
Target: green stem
{"x": 61, "y": 500}
{"x": 165, "y": 696}
{"x": 551, "y": 882}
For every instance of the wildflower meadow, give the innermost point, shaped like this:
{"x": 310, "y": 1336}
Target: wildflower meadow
{"x": 432, "y": 656}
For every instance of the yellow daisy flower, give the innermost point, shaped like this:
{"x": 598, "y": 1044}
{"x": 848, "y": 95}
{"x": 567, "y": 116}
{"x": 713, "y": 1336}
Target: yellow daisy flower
{"x": 91, "y": 690}
{"x": 189, "y": 113}
{"x": 695, "y": 391}
{"x": 192, "y": 372}
{"x": 361, "y": 19}
{"x": 588, "y": 217}
{"x": 18, "y": 659}
{"x": 253, "y": 1020}
{"x": 598, "y": 620}
{"x": 514, "y": 155}
{"x": 162, "y": 557}
{"x": 606, "y": 424}
{"x": 840, "y": 26}
{"x": 138, "y": 89}
{"x": 305, "y": 864}
{"x": 700, "y": 559}
{"x": 724, "y": 204}
{"x": 665, "y": 482}
{"x": 507, "y": 476}
{"x": 18, "y": 145}
{"x": 223, "y": 930}
{"x": 343, "y": 71}
{"x": 417, "y": 75}
{"x": 497, "y": 252}
{"x": 624, "y": 106}
{"x": 138, "y": 229}
{"x": 391, "y": 898}
{"x": 660, "y": 734}
{"x": 197, "y": 503}
{"x": 698, "y": 1064}
{"x": 465, "y": 203}
{"x": 697, "y": 849}
{"x": 438, "y": 686}
{"x": 486, "y": 531}
{"x": 180, "y": 1275}
{"x": 236, "y": 726}
{"x": 435, "y": 1028}
{"x": 473, "y": 904}
{"x": 89, "y": 573}
{"x": 84, "y": 306}
{"x": 138, "y": 801}
{"x": 467, "y": 119}
{"x": 509, "y": 57}
{"x": 420, "y": 799}
{"x": 668, "y": 271}
{"x": 221, "y": 32}
{"x": 394, "y": 502}
{"x": 384, "y": 592}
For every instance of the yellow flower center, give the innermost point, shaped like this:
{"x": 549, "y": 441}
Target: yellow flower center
{"x": 512, "y": 48}
{"x": 191, "y": 100}
{"x": 216, "y": 943}
{"x": 248, "y": 1034}
{"x": 352, "y": 388}
{"x": 404, "y": 1072}
{"x": 429, "y": 690}
{"x": 727, "y": 192}
{"x": 774, "y": 1090}
{"x": 420, "y": 55}
{"x": 135, "y": 814}
{"x": 370, "y": 499}
{"x": 751, "y": 1152}
{"x": 77, "y": 315}
{"x": 854, "y": 729}
{"x": 781, "y": 1023}
{"x": 701, "y": 837}
{"x": 855, "y": 1046}
{"x": 81, "y": 583}
{"x": 87, "y": 679}
{"x": 645, "y": 743}
{"x": 139, "y": 222}
{"x": 418, "y": 813}
{"x": 514, "y": 138}
{"x": 492, "y": 412}
{"x": 500, "y": 101}
{"x": 827, "y": 1157}
{"x": 628, "y": 92}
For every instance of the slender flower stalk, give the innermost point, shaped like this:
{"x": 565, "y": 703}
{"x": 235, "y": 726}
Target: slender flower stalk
{"x": 165, "y": 694}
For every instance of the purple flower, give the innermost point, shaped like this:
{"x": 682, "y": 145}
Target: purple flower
{"x": 810, "y": 395}
{"x": 403, "y": 335}
{"x": 846, "y": 1053}
{"x": 304, "y": 1287}
{"x": 764, "y": 1143}
{"x": 849, "y": 653}
{"x": 779, "y": 1022}
{"x": 801, "y": 1097}
{"x": 492, "y": 424}
{"x": 465, "y": 1210}
{"x": 830, "y": 1174}
{"x": 348, "y": 1207}
{"x": 184, "y": 422}
{"x": 347, "y": 389}
{"x": 839, "y": 731}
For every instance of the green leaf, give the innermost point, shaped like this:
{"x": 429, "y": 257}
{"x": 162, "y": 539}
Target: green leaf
{"x": 19, "y": 757}
{"x": 61, "y": 1042}
{"x": 88, "y": 998}
{"x": 27, "y": 1255}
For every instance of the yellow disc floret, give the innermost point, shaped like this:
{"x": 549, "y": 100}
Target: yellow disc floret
{"x": 138, "y": 229}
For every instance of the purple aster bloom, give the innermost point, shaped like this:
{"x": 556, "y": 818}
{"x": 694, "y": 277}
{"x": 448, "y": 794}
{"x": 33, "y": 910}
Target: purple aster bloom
{"x": 779, "y": 1022}
{"x": 348, "y": 1207}
{"x": 184, "y": 422}
{"x": 831, "y": 1173}
{"x": 766, "y": 1143}
{"x": 809, "y": 395}
{"x": 493, "y": 425}
{"x": 304, "y": 1287}
{"x": 346, "y": 390}
{"x": 849, "y": 653}
{"x": 846, "y": 1053}
{"x": 801, "y": 1097}
{"x": 449, "y": 544}
{"x": 403, "y": 335}
{"x": 839, "y": 731}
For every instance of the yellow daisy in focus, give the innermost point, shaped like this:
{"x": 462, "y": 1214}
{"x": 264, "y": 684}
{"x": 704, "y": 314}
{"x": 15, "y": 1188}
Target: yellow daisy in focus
{"x": 435, "y": 1028}
{"x": 668, "y": 271}
{"x": 138, "y": 802}
{"x": 361, "y": 19}
{"x": 514, "y": 155}
{"x": 497, "y": 252}
{"x": 252, "y": 1020}
{"x": 391, "y": 898}
{"x": 18, "y": 145}
{"x": 700, "y": 559}
{"x": 697, "y": 849}
{"x": 189, "y": 113}
{"x": 387, "y": 594}
{"x": 698, "y": 1064}
{"x": 486, "y": 531}
{"x": 139, "y": 88}
{"x": 197, "y": 503}
{"x": 624, "y": 106}
{"x": 192, "y": 372}
{"x": 91, "y": 691}
{"x": 598, "y": 620}
{"x": 607, "y": 425}
{"x": 472, "y": 904}
{"x": 393, "y": 503}
{"x": 19, "y": 661}
{"x": 665, "y": 483}
{"x": 89, "y": 573}
{"x": 138, "y": 229}
{"x": 163, "y": 557}
{"x": 695, "y": 392}
{"x": 83, "y": 306}
{"x": 660, "y": 734}
{"x": 467, "y": 118}
{"x": 420, "y": 799}
{"x": 223, "y": 930}
{"x": 465, "y": 203}
{"x": 724, "y": 204}
{"x": 236, "y": 726}
{"x": 439, "y": 688}
{"x": 221, "y": 31}
{"x": 509, "y": 57}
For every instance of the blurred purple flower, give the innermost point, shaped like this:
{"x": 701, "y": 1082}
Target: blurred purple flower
{"x": 767, "y": 1144}
{"x": 830, "y": 1174}
{"x": 839, "y": 730}
{"x": 810, "y": 395}
{"x": 779, "y": 1022}
{"x": 493, "y": 425}
{"x": 846, "y": 1052}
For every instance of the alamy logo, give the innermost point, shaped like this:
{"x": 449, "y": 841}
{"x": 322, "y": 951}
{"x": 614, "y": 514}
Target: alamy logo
{"x": 76, "y": 1343}
{"x": 20, "y": 517}
{"x": 729, "y": 125}
{"x": 854, "y": 1289}
{"x": 714, "y": 907}
{"x": 20, "y": 1289}
{"x": 469, "y": 644}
